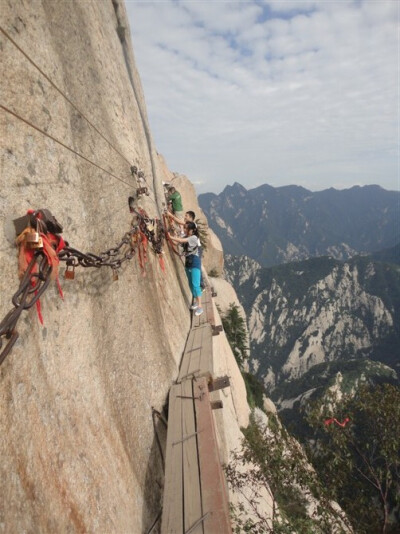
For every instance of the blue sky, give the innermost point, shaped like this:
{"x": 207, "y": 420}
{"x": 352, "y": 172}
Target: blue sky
{"x": 282, "y": 92}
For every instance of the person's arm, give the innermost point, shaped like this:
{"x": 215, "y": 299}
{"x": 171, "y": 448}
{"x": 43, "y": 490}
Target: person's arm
{"x": 181, "y": 222}
{"x": 179, "y": 239}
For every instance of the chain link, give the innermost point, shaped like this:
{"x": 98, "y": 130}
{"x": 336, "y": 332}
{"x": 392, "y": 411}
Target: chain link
{"x": 33, "y": 284}
{"x": 37, "y": 275}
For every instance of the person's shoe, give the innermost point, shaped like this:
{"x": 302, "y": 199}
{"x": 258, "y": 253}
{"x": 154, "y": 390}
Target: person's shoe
{"x": 194, "y": 307}
{"x": 199, "y": 311}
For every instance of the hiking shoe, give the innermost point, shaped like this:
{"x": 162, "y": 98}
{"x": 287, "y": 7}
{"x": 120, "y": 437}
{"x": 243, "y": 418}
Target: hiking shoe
{"x": 194, "y": 307}
{"x": 199, "y": 311}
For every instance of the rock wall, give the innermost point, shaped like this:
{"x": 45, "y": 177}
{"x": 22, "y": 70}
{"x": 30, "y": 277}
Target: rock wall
{"x": 77, "y": 441}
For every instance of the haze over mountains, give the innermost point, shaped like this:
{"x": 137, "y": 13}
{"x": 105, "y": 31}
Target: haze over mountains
{"x": 279, "y": 225}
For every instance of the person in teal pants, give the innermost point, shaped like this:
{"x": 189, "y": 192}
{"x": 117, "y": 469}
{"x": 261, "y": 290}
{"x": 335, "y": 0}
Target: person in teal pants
{"x": 190, "y": 244}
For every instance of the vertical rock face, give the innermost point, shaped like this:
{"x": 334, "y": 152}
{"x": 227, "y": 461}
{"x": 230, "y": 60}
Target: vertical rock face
{"x": 76, "y": 440}
{"x": 77, "y": 445}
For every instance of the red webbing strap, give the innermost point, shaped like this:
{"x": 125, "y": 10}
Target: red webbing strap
{"x": 328, "y": 422}
{"x": 52, "y": 245}
{"x": 142, "y": 249}
{"x": 171, "y": 244}
{"x": 162, "y": 262}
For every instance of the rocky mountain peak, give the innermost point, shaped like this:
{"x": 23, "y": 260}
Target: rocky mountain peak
{"x": 290, "y": 223}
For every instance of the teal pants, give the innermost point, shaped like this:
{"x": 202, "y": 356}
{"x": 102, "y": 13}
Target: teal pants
{"x": 194, "y": 276}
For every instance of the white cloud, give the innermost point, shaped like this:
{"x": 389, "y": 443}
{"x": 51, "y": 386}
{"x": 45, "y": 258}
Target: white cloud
{"x": 286, "y": 92}
{"x": 283, "y": 6}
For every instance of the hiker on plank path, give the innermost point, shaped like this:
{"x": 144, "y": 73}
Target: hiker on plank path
{"x": 192, "y": 263}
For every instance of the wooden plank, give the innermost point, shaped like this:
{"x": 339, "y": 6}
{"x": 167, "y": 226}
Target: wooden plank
{"x": 214, "y": 492}
{"x": 209, "y": 309}
{"x": 206, "y": 362}
{"x": 198, "y": 321}
{"x": 184, "y": 367}
{"x": 206, "y": 304}
{"x": 197, "y": 358}
{"x": 195, "y": 355}
{"x": 203, "y": 357}
{"x": 191, "y": 476}
{"x": 195, "y": 493}
{"x": 172, "y": 518}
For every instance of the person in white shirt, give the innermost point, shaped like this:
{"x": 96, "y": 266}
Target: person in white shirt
{"x": 192, "y": 263}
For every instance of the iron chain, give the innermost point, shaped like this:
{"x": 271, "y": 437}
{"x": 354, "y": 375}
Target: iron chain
{"x": 37, "y": 275}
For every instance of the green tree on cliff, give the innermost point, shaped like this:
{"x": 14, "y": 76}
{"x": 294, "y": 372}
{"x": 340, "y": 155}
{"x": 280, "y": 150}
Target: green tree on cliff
{"x": 271, "y": 461}
{"x": 360, "y": 462}
{"x": 235, "y": 330}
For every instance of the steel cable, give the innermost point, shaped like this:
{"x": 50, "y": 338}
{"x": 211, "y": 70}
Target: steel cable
{"x": 11, "y": 112}
{"x": 62, "y": 93}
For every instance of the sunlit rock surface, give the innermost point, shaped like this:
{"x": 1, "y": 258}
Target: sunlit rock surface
{"x": 76, "y": 435}
{"x": 318, "y": 312}
{"x": 77, "y": 441}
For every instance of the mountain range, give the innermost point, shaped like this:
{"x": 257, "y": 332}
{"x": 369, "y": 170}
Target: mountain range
{"x": 320, "y": 323}
{"x": 283, "y": 224}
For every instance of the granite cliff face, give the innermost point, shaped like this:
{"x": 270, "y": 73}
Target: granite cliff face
{"x": 310, "y": 320}
{"x": 77, "y": 441}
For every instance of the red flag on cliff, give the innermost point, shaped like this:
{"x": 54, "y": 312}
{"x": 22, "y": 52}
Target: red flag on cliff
{"x": 328, "y": 422}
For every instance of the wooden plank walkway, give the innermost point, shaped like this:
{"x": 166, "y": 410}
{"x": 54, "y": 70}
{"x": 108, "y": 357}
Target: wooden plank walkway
{"x": 212, "y": 479}
{"x": 208, "y": 315}
{"x": 172, "y": 517}
{"x": 195, "y": 492}
{"x": 182, "y": 498}
{"x": 197, "y": 358}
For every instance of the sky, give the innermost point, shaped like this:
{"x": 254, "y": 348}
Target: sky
{"x": 279, "y": 92}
